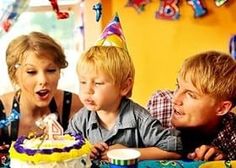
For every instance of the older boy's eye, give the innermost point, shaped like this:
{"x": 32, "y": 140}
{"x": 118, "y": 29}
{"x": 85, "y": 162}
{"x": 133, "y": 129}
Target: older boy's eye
{"x": 191, "y": 95}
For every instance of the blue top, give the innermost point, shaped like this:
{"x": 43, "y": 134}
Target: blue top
{"x": 135, "y": 127}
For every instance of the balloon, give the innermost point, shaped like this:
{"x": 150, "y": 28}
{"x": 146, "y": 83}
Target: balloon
{"x": 220, "y": 2}
{"x": 98, "y": 9}
{"x": 232, "y": 46}
{"x": 60, "y": 15}
{"x": 10, "y": 11}
{"x": 199, "y": 10}
{"x": 168, "y": 10}
{"x": 138, "y": 4}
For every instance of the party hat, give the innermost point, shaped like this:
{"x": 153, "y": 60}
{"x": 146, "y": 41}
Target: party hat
{"x": 113, "y": 35}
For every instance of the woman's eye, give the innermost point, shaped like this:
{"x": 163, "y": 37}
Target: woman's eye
{"x": 52, "y": 70}
{"x": 31, "y": 72}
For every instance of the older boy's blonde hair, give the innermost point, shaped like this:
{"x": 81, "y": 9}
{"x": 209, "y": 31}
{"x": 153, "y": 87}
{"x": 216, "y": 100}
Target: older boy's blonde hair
{"x": 35, "y": 43}
{"x": 113, "y": 61}
{"x": 213, "y": 73}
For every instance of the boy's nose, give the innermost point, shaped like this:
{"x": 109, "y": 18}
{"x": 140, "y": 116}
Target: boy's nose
{"x": 89, "y": 89}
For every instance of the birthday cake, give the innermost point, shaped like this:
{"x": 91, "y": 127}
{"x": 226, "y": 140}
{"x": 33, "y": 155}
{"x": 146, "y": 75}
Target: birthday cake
{"x": 50, "y": 149}
{"x": 68, "y": 151}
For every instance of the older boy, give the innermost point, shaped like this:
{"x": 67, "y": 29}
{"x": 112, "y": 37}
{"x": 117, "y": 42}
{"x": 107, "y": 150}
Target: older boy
{"x": 200, "y": 107}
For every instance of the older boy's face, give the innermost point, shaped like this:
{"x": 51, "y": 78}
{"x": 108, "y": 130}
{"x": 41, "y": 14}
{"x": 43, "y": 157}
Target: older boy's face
{"x": 98, "y": 92}
{"x": 193, "y": 108}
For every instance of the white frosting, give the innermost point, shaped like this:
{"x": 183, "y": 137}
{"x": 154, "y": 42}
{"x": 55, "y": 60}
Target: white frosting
{"x": 46, "y": 144}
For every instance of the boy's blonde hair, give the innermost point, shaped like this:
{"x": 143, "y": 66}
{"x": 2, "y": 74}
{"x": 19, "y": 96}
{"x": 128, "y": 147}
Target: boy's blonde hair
{"x": 113, "y": 61}
{"x": 37, "y": 44}
{"x": 213, "y": 73}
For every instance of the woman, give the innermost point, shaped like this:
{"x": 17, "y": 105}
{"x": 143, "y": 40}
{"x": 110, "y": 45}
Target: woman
{"x": 34, "y": 63}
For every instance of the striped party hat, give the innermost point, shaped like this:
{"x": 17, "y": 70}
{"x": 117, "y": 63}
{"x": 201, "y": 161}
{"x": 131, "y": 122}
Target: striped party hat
{"x": 113, "y": 35}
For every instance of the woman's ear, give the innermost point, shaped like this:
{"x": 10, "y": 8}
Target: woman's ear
{"x": 224, "y": 107}
{"x": 126, "y": 87}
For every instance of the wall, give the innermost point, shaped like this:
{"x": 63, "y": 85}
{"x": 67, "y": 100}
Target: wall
{"x": 158, "y": 47}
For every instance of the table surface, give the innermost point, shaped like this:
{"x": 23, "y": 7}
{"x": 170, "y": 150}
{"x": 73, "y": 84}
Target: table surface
{"x": 181, "y": 164}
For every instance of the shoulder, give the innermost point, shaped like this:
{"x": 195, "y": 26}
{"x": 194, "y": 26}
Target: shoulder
{"x": 82, "y": 115}
{"x": 7, "y": 100}
{"x": 160, "y": 103}
{"x": 137, "y": 109}
{"x": 162, "y": 94}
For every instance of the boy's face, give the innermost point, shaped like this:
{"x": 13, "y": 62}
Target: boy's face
{"x": 98, "y": 92}
{"x": 193, "y": 109}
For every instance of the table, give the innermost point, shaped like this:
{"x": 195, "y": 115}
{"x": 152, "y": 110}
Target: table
{"x": 180, "y": 164}
{"x": 163, "y": 164}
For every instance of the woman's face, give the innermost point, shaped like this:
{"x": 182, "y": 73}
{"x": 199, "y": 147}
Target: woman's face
{"x": 37, "y": 78}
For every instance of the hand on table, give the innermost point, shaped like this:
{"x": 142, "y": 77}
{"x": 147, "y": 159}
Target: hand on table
{"x": 99, "y": 151}
{"x": 206, "y": 152}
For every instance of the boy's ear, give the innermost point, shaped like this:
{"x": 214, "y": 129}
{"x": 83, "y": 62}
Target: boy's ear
{"x": 126, "y": 87}
{"x": 224, "y": 107}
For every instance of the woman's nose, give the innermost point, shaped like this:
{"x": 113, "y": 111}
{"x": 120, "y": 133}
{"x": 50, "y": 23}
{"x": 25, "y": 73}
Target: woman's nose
{"x": 42, "y": 79}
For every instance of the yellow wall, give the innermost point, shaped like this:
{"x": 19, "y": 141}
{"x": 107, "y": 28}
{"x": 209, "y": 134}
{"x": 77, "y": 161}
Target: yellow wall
{"x": 158, "y": 47}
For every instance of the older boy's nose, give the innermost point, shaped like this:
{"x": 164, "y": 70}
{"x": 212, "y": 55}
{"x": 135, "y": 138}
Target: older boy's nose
{"x": 177, "y": 98}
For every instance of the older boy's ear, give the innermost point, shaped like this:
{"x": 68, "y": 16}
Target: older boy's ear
{"x": 224, "y": 107}
{"x": 126, "y": 87}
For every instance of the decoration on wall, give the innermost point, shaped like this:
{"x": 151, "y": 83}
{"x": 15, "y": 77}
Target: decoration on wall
{"x": 139, "y": 5}
{"x": 197, "y": 5}
{"x": 168, "y": 10}
{"x": 98, "y": 9}
{"x": 232, "y": 46}
{"x": 60, "y": 15}
{"x": 10, "y": 12}
{"x": 220, "y": 2}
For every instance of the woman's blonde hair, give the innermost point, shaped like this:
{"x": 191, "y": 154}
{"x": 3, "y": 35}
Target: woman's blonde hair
{"x": 35, "y": 43}
{"x": 113, "y": 61}
{"x": 213, "y": 73}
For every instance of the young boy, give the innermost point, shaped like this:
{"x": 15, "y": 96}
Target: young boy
{"x": 109, "y": 118}
{"x": 201, "y": 105}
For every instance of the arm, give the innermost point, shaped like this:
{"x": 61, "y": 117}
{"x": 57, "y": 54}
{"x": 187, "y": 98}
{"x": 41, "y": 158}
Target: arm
{"x": 154, "y": 135}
